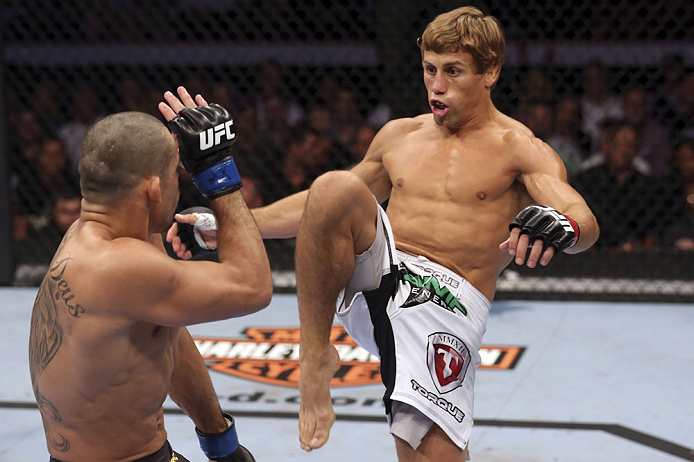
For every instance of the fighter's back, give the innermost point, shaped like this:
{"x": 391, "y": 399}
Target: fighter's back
{"x": 94, "y": 371}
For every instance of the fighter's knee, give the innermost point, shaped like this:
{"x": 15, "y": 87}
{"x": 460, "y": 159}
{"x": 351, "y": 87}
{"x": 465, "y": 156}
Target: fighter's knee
{"x": 338, "y": 188}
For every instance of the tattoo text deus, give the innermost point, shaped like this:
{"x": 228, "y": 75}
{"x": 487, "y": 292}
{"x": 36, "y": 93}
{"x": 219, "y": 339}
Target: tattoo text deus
{"x": 62, "y": 291}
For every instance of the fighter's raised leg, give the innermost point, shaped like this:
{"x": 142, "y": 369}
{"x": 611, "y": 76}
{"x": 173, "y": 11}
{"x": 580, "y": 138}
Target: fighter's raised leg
{"x": 339, "y": 222}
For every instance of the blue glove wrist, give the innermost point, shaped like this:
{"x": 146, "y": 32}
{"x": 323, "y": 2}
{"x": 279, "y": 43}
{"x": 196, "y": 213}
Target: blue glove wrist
{"x": 221, "y": 444}
{"x": 218, "y": 180}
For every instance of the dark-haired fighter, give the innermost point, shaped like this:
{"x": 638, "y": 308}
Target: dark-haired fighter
{"x": 108, "y": 341}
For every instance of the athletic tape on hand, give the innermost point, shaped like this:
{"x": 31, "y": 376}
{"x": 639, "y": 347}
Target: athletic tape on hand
{"x": 205, "y": 222}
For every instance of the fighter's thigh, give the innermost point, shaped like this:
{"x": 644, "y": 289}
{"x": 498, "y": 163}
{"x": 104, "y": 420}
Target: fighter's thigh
{"x": 436, "y": 446}
{"x": 341, "y": 197}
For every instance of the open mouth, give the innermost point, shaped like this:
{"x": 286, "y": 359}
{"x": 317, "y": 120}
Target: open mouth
{"x": 438, "y": 108}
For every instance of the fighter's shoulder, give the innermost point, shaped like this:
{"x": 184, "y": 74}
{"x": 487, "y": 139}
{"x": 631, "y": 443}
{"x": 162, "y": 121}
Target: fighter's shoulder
{"x": 120, "y": 261}
{"x": 130, "y": 252}
{"x": 515, "y": 135}
{"x": 401, "y": 127}
{"x": 392, "y": 134}
{"x": 529, "y": 153}
{"x": 127, "y": 269}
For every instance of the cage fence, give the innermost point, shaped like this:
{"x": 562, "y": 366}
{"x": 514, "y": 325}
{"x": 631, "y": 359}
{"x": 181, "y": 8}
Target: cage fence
{"x": 309, "y": 83}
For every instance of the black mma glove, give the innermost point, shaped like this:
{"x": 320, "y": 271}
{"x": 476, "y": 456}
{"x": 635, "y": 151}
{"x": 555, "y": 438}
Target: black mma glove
{"x": 547, "y": 224}
{"x": 205, "y": 135}
{"x": 224, "y": 447}
{"x": 190, "y": 234}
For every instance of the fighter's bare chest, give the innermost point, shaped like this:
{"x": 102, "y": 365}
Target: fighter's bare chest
{"x": 449, "y": 171}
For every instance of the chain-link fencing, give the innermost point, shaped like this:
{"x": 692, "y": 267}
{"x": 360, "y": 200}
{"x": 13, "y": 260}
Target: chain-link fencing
{"x": 608, "y": 84}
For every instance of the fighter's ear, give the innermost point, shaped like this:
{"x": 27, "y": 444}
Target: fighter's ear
{"x": 153, "y": 189}
{"x": 491, "y": 75}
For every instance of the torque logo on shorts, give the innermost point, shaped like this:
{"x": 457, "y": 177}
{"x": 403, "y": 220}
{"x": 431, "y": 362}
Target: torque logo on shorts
{"x": 439, "y": 401}
{"x": 429, "y": 289}
{"x": 213, "y": 136}
{"x": 271, "y": 355}
{"x": 448, "y": 358}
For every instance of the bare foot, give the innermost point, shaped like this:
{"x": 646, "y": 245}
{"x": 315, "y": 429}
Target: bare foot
{"x": 316, "y": 415}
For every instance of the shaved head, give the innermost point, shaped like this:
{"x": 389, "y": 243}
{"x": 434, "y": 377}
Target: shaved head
{"x": 120, "y": 150}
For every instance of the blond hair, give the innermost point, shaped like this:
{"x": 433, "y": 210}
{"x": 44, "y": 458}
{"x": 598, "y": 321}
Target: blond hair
{"x": 466, "y": 29}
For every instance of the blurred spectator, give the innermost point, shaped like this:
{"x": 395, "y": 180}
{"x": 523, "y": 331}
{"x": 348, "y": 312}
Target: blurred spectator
{"x": 33, "y": 254}
{"x": 25, "y": 144}
{"x": 654, "y": 137}
{"x": 598, "y": 102}
{"x": 271, "y": 86}
{"x": 346, "y": 115}
{"x": 309, "y": 154}
{"x": 87, "y": 110}
{"x": 672, "y": 72}
{"x": 536, "y": 86}
{"x": 307, "y": 157}
{"x": 679, "y": 233}
{"x": 619, "y": 195}
{"x": 538, "y": 116}
{"x": 224, "y": 94}
{"x": 45, "y": 176}
{"x": 682, "y": 121}
{"x": 276, "y": 129}
{"x": 567, "y": 138}
{"x": 379, "y": 115}
{"x": 327, "y": 88}
{"x": 195, "y": 83}
{"x": 133, "y": 95}
{"x": 254, "y": 154}
{"x": 362, "y": 141}
{"x": 251, "y": 192}
{"x": 599, "y": 156}
{"x": 45, "y": 103}
{"x": 248, "y": 137}
{"x": 319, "y": 117}
{"x": 153, "y": 97}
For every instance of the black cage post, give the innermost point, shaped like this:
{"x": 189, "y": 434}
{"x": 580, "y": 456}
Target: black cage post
{"x": 6, "y": 266}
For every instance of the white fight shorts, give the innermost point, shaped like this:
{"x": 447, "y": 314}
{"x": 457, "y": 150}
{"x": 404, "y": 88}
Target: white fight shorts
{"x": 425, "y": 323}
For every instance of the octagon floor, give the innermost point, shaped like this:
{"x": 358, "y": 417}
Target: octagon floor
{"x": 565, "y": 381}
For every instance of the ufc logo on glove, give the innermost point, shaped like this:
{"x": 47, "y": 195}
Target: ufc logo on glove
{"x": 213, "y": 136}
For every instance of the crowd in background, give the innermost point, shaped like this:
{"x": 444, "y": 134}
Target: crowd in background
{"x": 629, "y": 151}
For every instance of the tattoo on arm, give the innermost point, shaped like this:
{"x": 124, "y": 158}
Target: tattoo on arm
{"x": 62, "y": 288}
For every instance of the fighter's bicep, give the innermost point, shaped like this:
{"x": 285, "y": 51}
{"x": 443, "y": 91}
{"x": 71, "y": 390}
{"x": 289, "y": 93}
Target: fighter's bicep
{"x": 534, "y": 156}
{"x": 548, "y": 189}
{"x": 203, "y": 291}
{"x": 152, "y": 287}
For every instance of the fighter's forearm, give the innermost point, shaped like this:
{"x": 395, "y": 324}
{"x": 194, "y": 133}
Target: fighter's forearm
{"x": 281, "y": 218}
{"x": 555, "y": 192}
{"x": 587, "y": 224}
{"x": 240, "y": 243}
{"x": 191, "y": 387}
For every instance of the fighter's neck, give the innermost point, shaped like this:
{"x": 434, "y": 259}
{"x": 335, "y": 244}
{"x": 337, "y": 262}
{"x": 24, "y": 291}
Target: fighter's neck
{"x": 111, "y": 222}
{"x": 480, "y": 117}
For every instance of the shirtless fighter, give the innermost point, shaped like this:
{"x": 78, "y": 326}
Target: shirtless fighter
{"x": 414, "y": 285}
{"x": 108, "y": 339}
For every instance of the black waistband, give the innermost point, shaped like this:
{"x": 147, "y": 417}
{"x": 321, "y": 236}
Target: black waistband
{"x": 164, "y": 454}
